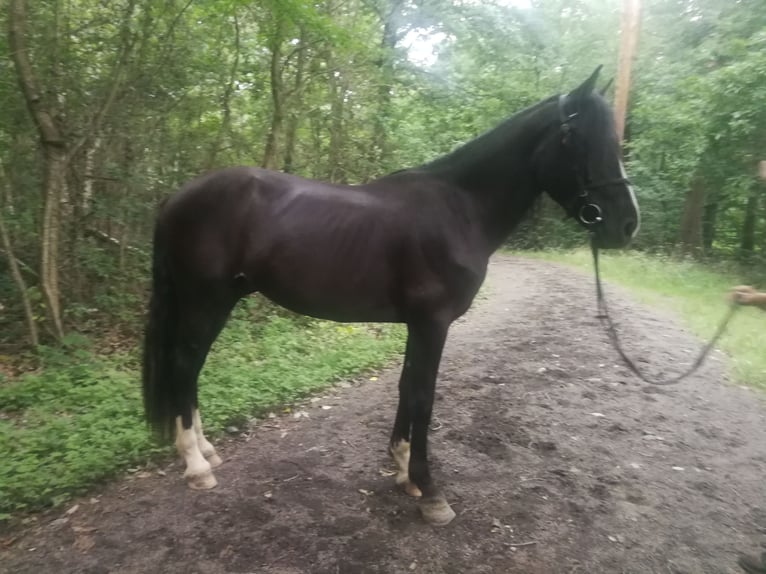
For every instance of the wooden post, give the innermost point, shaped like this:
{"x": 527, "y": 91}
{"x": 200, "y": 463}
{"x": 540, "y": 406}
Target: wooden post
{"x": 631, "y": 12}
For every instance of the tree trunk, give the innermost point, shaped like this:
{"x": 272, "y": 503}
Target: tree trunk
{"x": 337, "y": 105}
{"x": 54, "y": 150}
{"x": 381, "y": 149}
{"x": 747, "y": 244}
{"x": 271, "y": 152}
{"x": 691, "y": 220}
{"x": 89, "y": 182}
{"x": 18, "y": 278}
{"x": 631, "y": 17}
{"x": 290, "y": 134}
{"x": 226, "y": 100}
{"x": 55, "y": 181}
{"x": 296, "y": 100}
{"x": 708, "y": 226}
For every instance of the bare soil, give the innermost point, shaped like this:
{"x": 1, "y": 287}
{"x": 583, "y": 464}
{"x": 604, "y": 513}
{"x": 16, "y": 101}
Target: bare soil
{"x": 554, "y": 457}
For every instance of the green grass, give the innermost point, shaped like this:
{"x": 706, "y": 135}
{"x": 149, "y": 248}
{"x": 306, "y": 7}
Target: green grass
{"x": 696, "y": 292}
{"x": 79, "y": 420}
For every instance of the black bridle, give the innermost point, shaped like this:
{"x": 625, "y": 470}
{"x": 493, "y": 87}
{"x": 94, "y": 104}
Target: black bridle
{"x": 583, "y": 208}
{"x": 589, "y": 214}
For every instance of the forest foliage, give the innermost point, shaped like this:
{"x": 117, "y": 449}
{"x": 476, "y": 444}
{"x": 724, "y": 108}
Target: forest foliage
{"x": 107, "y": 107}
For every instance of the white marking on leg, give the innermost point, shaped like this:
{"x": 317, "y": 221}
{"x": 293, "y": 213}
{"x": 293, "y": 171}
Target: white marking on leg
{"x": 401, "y": 454}
{"x": 207, "y": 449}
{"x": 632, "y": 199}
{"x": 198, "y": 474}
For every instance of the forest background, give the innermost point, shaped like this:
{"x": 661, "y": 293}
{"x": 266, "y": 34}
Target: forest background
{"x": 107, "y": 107}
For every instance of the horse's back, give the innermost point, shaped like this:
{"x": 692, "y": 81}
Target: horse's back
{"x": 351, "y": 253}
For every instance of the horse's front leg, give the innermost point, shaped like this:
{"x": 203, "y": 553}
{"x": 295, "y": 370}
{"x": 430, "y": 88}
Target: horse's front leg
{"x": 400, "y": 437}
{"x": 425, "y": 344}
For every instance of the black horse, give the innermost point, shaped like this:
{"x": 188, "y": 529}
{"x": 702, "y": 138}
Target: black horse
{"x": 411, "y": 247}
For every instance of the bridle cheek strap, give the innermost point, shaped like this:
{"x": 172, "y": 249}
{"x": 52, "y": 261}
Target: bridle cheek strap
{"x": 583, "y": 208}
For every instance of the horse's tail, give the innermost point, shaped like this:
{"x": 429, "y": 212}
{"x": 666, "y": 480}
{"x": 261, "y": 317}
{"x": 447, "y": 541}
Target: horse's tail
{"x": 158, "y": 381}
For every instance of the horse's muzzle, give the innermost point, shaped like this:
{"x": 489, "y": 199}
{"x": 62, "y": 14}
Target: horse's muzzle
{"x": 614, "y": 236}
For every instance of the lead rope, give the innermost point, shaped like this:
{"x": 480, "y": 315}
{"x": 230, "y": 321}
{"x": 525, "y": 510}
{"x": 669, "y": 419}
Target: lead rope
{"x": 606, "y": 319}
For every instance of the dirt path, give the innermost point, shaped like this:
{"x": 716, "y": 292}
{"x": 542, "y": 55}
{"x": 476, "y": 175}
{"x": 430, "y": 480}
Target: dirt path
{"x": 554, "y": 459}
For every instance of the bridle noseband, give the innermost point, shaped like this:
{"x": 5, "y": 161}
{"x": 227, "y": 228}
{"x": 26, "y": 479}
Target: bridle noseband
{"x": 583, "y": 207}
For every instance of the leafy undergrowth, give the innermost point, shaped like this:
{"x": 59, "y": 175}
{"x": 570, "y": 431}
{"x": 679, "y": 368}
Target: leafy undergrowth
{"x": 696, "y": 292}
{"x": 79, "y": 420}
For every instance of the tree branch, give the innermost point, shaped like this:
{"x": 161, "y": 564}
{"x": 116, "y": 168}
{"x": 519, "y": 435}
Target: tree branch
{"x": 127, "y": 44}
{"x": 107, "y": 239}
{"x": 49, "y": 132}
{"x": 13, "y": 263}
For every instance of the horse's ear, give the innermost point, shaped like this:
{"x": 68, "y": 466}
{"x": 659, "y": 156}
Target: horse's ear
{"x": 586, "y": 88}
{"x": 606, "y": 86}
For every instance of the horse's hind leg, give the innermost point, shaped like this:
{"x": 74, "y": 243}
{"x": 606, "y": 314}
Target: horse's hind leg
{"x": 198, "y": 326}
{"x": 205, "y": 447}
{"x": 198, "y": 473}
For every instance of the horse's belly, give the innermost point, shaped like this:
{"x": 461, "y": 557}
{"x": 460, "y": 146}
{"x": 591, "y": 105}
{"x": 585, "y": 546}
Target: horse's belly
{"x": 346, "y": 312}
{"x": 340, "y": 298}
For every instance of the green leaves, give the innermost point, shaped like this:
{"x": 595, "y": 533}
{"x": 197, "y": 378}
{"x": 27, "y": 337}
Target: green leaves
{"x": 696, "y": 113}
{"x": 80, "y": 420}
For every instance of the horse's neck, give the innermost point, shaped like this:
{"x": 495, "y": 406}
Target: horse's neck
{"x": 495, "y": 172}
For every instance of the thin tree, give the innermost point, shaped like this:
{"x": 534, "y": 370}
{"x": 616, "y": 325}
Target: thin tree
{"x": 13, "y": 264}
{"x": 631, "y": 17}
{"x": 54, "y": 149}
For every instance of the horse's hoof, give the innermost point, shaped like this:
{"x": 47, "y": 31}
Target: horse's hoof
{"x": 436, "y": 511}
{"x": 214, "y": 460}
{"x": 203, "y": 481}
{"x": 751, "y": 564}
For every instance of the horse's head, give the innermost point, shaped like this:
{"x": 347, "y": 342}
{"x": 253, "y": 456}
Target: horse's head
{"x": 580, "y": 166}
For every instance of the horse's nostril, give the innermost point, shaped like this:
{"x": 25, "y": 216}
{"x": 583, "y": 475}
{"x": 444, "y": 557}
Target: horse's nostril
{"x": 630, "y": 228}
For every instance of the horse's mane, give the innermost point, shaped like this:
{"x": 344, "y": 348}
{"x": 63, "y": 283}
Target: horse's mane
{"x": 482, "y": 145}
